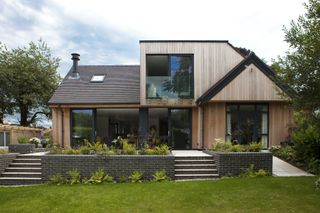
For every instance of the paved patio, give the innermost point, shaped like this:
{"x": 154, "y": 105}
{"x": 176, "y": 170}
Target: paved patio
{"x": 188, "y": 153}
{"x": 284, "y": 169}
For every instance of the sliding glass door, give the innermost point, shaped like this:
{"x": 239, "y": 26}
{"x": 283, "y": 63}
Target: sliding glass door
{"x": 180, "y": 128}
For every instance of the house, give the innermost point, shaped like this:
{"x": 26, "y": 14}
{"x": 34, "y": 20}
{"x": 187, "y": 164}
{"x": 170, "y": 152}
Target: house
{"x": 186, "y": 94}
{"x": 9, "y": 134}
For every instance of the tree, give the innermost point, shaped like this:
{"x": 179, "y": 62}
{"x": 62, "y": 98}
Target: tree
{"x": 28, "y": 79}
{"x": 300, "y": 68}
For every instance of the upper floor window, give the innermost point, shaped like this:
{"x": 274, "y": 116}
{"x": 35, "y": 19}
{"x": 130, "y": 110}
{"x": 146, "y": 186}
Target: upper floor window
{"x": 169, "y": 76}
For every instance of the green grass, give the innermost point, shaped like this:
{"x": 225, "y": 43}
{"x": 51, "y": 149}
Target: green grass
{"x": 269, "y": 194}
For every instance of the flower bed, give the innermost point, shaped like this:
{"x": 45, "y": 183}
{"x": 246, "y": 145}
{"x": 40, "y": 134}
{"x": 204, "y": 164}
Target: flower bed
{"x": 22, "y": 148}
{"x": 235, "y": 163}
{"x": 117, "y": 166}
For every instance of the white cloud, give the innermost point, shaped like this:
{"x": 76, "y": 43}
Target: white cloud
{"x": 107, "y": 32}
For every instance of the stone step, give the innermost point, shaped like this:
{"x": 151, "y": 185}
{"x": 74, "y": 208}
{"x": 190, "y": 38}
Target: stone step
{"x": 25, "y": 165}
{"x": 29, "y": 156}
{"x": 195, "y": 176}
{"x": 21, "y": 174}
{"x": 20, "y": 180}
{"x": 195, "y": 171}
{"x": 193, "y": 158}
{"x": 193, "y": 161}
{"x": 23, "y": 169}
{"x": 27, "y": 160}
{"x": 195, "y": 166}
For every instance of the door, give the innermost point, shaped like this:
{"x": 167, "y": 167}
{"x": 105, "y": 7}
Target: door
{"x": 180, "y": 128}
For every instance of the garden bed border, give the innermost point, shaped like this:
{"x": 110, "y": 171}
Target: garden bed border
{"x": 235, "y": 163}
{"x": 117, "y": 166}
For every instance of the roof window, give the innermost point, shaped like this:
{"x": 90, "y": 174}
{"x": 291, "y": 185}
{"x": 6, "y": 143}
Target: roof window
{"x": 97, "y": 78}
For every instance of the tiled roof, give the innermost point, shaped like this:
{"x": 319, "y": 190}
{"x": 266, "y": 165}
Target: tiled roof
{"x": 120, "y": 86}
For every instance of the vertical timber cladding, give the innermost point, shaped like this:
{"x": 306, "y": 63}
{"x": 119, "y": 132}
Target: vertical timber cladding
{"x": 212, "y": 61}
{"x": 60, "y": 132}
{"x": 280, "y": 122}
{"x": 214, "y": 122}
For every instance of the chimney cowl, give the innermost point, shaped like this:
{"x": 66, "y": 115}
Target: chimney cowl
{"x": 75, "y": 58}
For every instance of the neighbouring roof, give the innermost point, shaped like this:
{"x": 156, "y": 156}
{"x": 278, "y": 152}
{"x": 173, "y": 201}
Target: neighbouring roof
{"x": 7, "y": 127}
{"x": 120, "y": 86}
{"x": 250, "y": 58}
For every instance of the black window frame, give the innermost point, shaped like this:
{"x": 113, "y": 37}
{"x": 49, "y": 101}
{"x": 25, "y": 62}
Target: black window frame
{"x": 169, "y": 70}
{"x": 94, "y": 123}
{"x": 255, "y": 132}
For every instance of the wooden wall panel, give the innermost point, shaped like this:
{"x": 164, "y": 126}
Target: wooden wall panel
{"x": 280, "y": 122}
{"x": 57, "y": 126}
{"x": 214, "y": 123}
{"x": 250, "y": 85}
{"x": 211, "y": 62}
{"x": 195, "y": 128}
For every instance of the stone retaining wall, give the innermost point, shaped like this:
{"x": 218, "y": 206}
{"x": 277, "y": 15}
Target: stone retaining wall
{"x": 116, "y": 165}
{"x": 5, "y": 160}
{"x": 22, "y": 148}
{"x": 235, "y": 163}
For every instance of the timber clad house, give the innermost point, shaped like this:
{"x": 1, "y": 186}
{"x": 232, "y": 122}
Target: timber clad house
{"x": 186, "y": 94}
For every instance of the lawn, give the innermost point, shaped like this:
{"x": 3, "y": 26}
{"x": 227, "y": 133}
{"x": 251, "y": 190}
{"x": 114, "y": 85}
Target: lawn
{"x": 269, "y": 194}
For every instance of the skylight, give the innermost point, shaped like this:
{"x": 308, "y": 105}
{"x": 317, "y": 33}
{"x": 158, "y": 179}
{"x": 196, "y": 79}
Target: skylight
{"x": 97, "y": 78}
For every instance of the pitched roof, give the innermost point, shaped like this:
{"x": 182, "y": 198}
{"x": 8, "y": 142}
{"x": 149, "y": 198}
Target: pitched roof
{"x": 232, "y": 74}
{"x": 120, "y": 86}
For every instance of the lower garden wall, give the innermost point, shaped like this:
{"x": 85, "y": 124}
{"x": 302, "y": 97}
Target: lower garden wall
{"x": 115, "y": 165}
{"x": 235, "y": 163}
{"x": 5, "y": 160}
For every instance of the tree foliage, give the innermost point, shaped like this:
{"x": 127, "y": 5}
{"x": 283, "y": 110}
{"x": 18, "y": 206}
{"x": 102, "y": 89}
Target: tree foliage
{"x": 300, "y": 68}
{"x": 28, "y": 79}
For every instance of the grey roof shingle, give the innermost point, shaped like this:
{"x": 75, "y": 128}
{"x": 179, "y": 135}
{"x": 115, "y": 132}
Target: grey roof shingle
{"x": 121, "y": 86}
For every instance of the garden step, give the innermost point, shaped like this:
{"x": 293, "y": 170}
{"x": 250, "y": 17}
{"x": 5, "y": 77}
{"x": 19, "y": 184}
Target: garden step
{"x": 195, "y": 176}
{"x": 29, "y": 157}
{"x": 195, "y": 166}
{"x": 27, "y": 160}
{"x": 25, "y": 164}
{"x": 195, "y": 171}
{"x": 193, "y": 158}
{"x": 20, "y": 180}
{"x": 21, "y": 174}
{"x": 193, "y": 161}
{"x": 22, "y": 169}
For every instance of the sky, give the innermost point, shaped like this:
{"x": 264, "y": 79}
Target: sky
{"x": 108, "y": 31}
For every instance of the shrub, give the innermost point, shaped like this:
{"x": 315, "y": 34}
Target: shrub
{"x": 251, "y": 172}
{"x": 307, "y": 143}
{"x": 222, "y": 146}
{"x": 254, "y": 147}
{"x": 23, "y": 140}
{"x": 237, "y": 148}
{"x": 162, "y": 149}
{"x": 3, "y": 151}
{"x": 136, "y": 177}
{"x": 128, "y": 149}
{"x": 75, "y": 177}
{"x": 160, "y": 176}
{"x": 70, "y": 151}
{"x": 57, "y": 179}
{"x": 317, "y": 184}
{"x": 123, "y": 179}
{"x": 84, "y": 150}
{"x": 99, "y": 176}
{"x": 313, "y": 166}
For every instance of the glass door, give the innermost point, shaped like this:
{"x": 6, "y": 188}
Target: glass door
{"x": 180, "y": 128}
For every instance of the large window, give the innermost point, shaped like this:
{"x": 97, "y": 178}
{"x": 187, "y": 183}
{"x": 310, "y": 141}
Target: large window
{"x": 4, "y": 138}
{"x": 247, "y": 123}
{"x": 82, "y": 126}
{"x": 169, "y": 76}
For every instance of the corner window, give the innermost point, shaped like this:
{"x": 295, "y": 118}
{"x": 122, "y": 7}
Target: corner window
{"x": 169, "y": 76}
{"x": 82, "y": 126}
{"x": 4, "y": 139}
{"x": 247, "y": 123}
